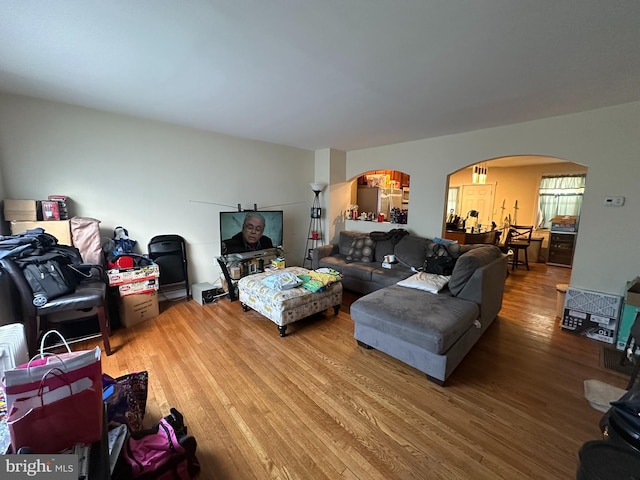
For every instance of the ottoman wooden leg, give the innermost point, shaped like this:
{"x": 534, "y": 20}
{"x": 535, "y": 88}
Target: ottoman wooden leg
{"x": 336, "y": 309}
{"x": 283, "y": 330}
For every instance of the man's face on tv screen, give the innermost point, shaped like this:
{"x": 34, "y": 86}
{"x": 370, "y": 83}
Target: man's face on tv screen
{"x": 252, "y": 230}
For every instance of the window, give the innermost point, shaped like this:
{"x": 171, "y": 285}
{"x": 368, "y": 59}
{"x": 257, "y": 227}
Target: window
{"x": 452, "y": 200}
{"x": 559, "y": 195}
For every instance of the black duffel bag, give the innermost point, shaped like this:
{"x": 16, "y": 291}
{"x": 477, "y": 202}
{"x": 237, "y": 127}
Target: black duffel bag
{"x": 622, "y": 422}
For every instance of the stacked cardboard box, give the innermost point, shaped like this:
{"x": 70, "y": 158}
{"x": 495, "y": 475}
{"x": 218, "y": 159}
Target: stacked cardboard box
{"x": 138, "y": 289}
{"x": 119, "y": 277}
{"x": 566, "y": 223}
{"x": 61, "y": 229}
{"x": 20, "y": 210}
{"x": 137, "y": 308}
{"x": 54, "y": 208}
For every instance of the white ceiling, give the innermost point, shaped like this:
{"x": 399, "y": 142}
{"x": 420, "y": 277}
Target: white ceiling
{"x": 345, "y": 74}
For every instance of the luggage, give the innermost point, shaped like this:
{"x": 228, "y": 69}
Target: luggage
{"x": 47, "y": 266}
{"x": 85, "y": 235}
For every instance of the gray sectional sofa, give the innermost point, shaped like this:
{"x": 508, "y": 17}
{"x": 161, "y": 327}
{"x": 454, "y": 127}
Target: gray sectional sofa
{"x": 431, "y": 332}
{"x": 366, "y": 277}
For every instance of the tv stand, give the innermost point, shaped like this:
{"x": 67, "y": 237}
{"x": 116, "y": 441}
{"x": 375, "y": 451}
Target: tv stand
{"x": 247, "y": 263}
{"x": 267, "y": 252}
{"x": 231, "y": 287}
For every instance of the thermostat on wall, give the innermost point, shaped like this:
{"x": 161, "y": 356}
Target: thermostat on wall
{"x": 614, "y": 201}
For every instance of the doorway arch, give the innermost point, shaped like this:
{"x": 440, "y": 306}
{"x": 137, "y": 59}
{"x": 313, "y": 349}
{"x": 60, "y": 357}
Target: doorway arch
{"x": 515, "y": 181}
{"x": 392, "y": 189}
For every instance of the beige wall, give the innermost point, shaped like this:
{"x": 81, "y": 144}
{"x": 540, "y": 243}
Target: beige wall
{"x": 606, "y": 141}
{"x": 156, "y": 178}
{"x": 153, "y": 178}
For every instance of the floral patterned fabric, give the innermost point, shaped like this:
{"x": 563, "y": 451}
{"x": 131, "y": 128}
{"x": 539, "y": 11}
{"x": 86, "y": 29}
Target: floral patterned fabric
{"x": 286, "y": 306}
{"x": 5, "y": 438}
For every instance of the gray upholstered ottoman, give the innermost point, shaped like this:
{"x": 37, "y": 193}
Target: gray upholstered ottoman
{"x": 427, "y": 331}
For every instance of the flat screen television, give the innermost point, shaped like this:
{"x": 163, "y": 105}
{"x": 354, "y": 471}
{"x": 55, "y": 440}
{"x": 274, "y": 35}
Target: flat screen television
{"x": 250, "y": 233}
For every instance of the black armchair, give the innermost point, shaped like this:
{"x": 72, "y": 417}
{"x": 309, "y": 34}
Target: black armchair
{"x": 90, "y": 292}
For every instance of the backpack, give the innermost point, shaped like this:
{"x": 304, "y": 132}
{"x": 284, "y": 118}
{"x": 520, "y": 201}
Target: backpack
{"x": 50, "y": 271}
{"x": 442, "y": 259}
{"x": 49, "y": 279}
{"x": 122, "y": 242}
{"x": 164, "y": 451}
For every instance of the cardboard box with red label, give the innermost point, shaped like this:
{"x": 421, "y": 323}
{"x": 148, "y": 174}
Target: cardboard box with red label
{"x": 145, "y": 286}
{"x": 130, "y": 275}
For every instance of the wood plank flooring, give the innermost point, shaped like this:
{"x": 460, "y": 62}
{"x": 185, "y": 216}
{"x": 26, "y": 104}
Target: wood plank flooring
{"x": 313, "y": 405}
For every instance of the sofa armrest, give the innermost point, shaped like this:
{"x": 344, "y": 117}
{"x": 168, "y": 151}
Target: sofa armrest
{"x": 320, "y": 252}
{"x": 486, "y": 288}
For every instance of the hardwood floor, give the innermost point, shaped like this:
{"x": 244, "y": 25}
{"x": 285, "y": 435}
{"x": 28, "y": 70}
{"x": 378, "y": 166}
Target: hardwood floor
{"x": 313, "y": 405}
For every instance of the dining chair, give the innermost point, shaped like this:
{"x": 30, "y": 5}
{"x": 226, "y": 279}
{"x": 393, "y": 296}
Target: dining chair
{"x": 519, "y": 241}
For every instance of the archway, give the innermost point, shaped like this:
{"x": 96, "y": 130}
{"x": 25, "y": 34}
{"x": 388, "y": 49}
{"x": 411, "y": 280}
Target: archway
{"x": 381, "y": 194}
{"x": 510, "y": 192}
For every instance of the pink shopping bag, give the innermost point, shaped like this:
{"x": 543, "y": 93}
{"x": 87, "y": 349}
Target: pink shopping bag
{"x": 27, "y": 380}
{"x": 57, "y": 420}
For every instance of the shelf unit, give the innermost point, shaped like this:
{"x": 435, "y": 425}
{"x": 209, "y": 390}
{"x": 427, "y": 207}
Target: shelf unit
{"x": 314, "y": 236}
{"x": 561, "y": 247}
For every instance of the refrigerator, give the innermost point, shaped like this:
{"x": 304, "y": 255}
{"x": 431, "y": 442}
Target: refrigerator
{"x": 379, "y": 200}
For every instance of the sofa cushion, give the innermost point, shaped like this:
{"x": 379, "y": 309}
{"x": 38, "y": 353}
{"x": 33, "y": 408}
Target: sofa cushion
{"x": 359, "y": 270}
{"x": 468, "y": 263}
{"x": 412, "y": 250}
{"x": 429, "y": 282}
{"x": 383, "y": 248}
{"x": 362, "y": 249}
{"x": 385, "y": 277}
{"x": 433, "y": 322}
{"x": 336, "y": 262}
{"x": 346, "y": 239}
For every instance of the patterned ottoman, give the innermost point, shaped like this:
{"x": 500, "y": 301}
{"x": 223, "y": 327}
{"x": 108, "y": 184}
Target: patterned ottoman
{"x": 286, "y": 306}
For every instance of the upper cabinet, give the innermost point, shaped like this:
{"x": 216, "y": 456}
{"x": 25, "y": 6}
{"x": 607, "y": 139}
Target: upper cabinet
{"x": 401, "y": 179}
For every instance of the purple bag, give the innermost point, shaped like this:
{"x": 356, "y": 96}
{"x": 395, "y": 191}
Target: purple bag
{"x": 163, "y": 452}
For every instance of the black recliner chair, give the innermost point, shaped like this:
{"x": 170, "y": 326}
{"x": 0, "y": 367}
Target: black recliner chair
{"x": 90, "y": 292}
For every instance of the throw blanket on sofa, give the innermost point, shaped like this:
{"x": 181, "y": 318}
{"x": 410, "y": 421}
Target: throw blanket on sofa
{"x": 395, "y": 234}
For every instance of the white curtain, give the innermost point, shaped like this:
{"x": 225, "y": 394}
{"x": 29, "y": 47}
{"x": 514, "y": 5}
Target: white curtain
{"x": 452, "y": 200}
{"x": 559, "y": 195}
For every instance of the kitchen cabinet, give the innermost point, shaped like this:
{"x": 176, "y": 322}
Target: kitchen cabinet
{"x": 401, "y": 179}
